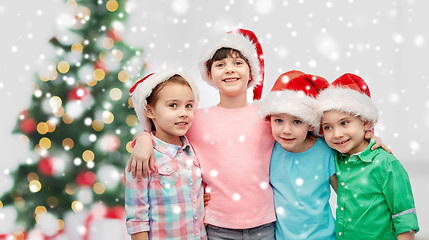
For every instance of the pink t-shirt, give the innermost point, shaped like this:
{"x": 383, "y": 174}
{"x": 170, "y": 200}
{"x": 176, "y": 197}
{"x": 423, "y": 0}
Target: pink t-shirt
{"x": 234, "y": 149}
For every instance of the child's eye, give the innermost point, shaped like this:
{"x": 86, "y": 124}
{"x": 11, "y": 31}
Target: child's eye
{"x": 238, "y": 62}
{"x": 219, "y": 65}
{"x": 297, "y": 121}
{"x": 343, "y": 123}
{"x": 278, "y": 120}
{"x": 327, "y": 128}
{"x": 189, "y": 105}
{"x": 173, "y": 105}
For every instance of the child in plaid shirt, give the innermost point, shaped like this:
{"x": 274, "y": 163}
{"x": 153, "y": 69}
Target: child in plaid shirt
{"x": 168, "y": 204}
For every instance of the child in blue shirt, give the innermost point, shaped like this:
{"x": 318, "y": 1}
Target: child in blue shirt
{"x": 302, "y": 167}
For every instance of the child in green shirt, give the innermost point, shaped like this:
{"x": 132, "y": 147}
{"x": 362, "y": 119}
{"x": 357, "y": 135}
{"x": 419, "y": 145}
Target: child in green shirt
{"x": 374, "y": 197}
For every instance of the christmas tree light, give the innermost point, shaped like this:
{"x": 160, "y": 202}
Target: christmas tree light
{"x": 79, "y": 124}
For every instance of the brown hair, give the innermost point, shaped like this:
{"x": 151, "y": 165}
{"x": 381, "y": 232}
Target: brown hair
{"x": 223, "y": 53}
{"x": 154, "y": 96}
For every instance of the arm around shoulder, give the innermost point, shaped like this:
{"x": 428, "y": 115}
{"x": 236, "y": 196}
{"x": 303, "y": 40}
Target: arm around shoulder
{"x": 142, "y": 156}
{"x": 333, "y": 180}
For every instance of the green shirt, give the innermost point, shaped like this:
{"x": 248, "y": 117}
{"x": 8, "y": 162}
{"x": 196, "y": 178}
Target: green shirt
{"x": 374, "y": 198}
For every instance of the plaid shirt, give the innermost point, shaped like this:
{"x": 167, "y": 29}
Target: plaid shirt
{"x": 169, "y": 203}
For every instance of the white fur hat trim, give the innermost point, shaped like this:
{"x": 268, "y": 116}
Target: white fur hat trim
{"x": 293, "y": 103}
{"x": 348, "y": 101}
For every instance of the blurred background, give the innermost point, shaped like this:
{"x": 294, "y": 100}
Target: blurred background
{"x": 66, "y": 67}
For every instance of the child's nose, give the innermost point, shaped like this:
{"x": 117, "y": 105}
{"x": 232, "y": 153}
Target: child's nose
{"x": 338, "y": 132}
{"x": 229, "y": 67}
{"x": 286, "y": 128}
{"x": 183, "y": 112}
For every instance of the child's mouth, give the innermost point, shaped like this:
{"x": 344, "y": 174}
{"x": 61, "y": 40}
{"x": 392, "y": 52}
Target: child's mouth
{"x": 343, "y": 142}
{"x": 230, "y": 79}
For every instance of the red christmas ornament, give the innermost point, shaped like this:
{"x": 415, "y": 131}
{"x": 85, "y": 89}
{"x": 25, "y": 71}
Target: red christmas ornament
{"x": 27, "y": 125}
{"x": 23, "y": 114}
{"x": 116, "y": 31}
{"x": 117, "y": 212}
{"x": 78, "y": 93}
{"x": 102, "y": 66}
{"x": 16, "y": 236}
{"x": 86, "y": 179}
{"x": 115, "y": 35}
{"x": 46, "y": 166}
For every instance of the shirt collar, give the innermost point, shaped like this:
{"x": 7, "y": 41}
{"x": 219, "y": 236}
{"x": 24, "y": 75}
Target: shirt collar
{"x": 365, "y": 156}
{"x": 167, "y": 148}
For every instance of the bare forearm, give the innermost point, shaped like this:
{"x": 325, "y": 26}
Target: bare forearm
{"x": 406, "y": 235}
{"x": 143, "y": 138}
{"x": 140, "y": 236}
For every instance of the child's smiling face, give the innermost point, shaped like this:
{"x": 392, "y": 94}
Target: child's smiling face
{"x": 173, "y": 112}
{"x": 344, "y": 132}
{"x": 291, "y": 132}
{"x": 230, "y": 75}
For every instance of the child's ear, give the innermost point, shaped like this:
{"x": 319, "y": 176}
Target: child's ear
{"x": 149, "y": 112}
{"x": 250, "y": 77}
{"x": 210, "y": 76}
{"x": 366, "y": 125}
{"x": 311, "y": 128}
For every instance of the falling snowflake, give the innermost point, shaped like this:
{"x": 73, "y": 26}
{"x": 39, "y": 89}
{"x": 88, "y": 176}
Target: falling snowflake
{"x": 236, "y": 197}
{"x": 328, "y": 47}
{"x": 415, "y": 146}
{"x": 264, "y": 6}
{"x": 299, "y": 181}
{"x": 180, "y": 6}
{"x": 242, "y": 138}
{"x": 419, "y": 40}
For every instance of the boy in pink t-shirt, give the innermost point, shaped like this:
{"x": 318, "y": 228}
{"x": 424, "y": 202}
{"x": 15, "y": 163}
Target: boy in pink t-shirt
{"x": 232, "y": 142}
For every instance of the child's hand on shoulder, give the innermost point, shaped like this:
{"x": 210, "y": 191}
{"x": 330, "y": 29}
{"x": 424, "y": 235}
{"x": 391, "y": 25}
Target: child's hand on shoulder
{"x": 206, "y": 199}
{"x": 378, "y": 143}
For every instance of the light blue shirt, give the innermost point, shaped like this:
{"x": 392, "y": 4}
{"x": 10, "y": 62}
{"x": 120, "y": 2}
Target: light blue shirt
{"x": 300, "y": 183}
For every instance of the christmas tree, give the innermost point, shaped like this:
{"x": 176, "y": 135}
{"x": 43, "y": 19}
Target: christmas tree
{"x": 80, "y": 121}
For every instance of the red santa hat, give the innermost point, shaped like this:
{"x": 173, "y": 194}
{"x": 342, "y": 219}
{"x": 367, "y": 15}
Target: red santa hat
{"x": 295, "y": 93}
{"x": 248, "y": 44}
{"x": 143, "y": 88}
{"x": 350, "y": 94}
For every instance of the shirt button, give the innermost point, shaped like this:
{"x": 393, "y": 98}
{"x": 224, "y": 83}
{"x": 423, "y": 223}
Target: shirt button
{"x": 345, "y": 162}
{"x": 342, "y": 184}
{"x": 168, "y": 170}
{"x": 340, "y": 233}
{"x": 196, "y": 217}
{"x": 190, "y": 183}
{"x": 342, "y": 209}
